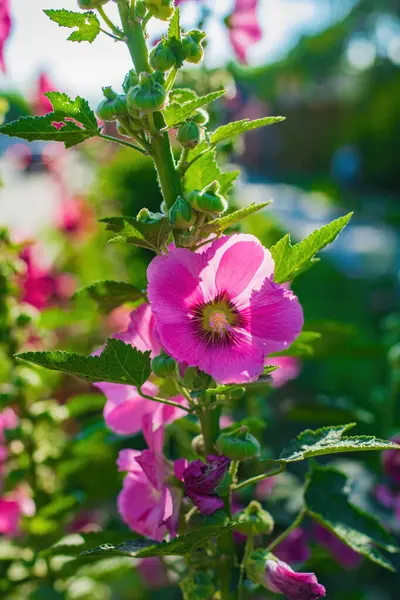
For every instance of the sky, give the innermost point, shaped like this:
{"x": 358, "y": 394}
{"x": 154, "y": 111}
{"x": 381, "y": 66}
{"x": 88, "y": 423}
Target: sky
{"x": 37, "y": 44}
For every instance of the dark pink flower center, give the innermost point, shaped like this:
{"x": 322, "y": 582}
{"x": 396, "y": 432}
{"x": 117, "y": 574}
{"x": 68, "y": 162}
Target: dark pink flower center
{"x": 215, "y": 321}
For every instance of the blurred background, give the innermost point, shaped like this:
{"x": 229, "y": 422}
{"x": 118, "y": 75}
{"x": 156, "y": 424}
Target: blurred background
{"x": 332, "y": 68}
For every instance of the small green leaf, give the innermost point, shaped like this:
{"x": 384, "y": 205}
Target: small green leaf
{"x": 87, "y": 24}
{"x": 290, "y": 260}
{"x": 152, "y": 234}
{"x": 181, "y": 95}
{"x": 177, "y": 547}
{"x": 329, "y": 440}
{"x": 302, "y": 347}
{"x": 236, "y": 128}
{"x": 219, "y": 225}
{"x": 71, "y": 122}
{"x": 118, "y": 363}
{"x": 176, "y": 113}
{"x": 327, "y": 501}
{"x": 174, "y": 42}
{"x": 110, "y": 294}
{"x": 174, "y": 29}
{"x": 205, "y": 170}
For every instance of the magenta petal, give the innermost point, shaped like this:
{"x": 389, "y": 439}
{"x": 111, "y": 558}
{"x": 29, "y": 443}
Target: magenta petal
{"x": 142, "y": 508}
{"x": 276, "y": 317}
{"x": 124, "y": 408}
{"x": 155, "y": 467}
{"x": 126, "y": 461}
{"x": 207, "y": 505}
{"x": 10, "y": 514}
{"x": 179, "y": 466}
{"x": 141, "y": 333}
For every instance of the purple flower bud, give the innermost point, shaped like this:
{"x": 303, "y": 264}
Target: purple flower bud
{"x": 201, "y": 480}
{"x": 391, "y": 461}
{"x": 278, "y": 577}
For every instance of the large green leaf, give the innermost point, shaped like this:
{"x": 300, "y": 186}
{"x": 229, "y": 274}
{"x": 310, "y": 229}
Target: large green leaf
{"x": 219, "y": 225}
{"x": 179, "y": 546}
{"x": 175, "y": 113}
{"x": 152, "y": 234}
{"x": 86, "y": 23}
{"x": 205, "y": 170}
{"x": 118, "y": 363}
{"x": 302, "y": 347}
{"x": 71, "y": 122}
{"x": 110, "y": 294}
{"x": 290, "y": 260}
{"x": 327, "y": 501}
{"x": 330, "y": 440}
{"x": 225, "y": 132}
{"x": 75, "y": 544}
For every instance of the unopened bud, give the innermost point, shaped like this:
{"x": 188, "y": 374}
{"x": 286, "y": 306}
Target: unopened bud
{"x": 238, "y": 444}
{"x": 254, "y": 520}
{"x": 181, "y": 215}
{"x": 189, "y": 135}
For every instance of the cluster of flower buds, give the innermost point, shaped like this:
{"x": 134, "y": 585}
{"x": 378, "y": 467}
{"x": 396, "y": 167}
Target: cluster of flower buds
{"x": 113, "y": 106}
{"x": 184, "y": 212}
{"x": 148, "y": 95}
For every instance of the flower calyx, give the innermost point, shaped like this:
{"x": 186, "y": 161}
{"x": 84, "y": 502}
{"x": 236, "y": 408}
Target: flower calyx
{"x": 254, "y": 520}
{"x": 163, "y": 365}
{"x": 162, "y": 57}
{"x": 193, "y": 50}
{"x": 238, "y": 444}
{"x": 181, "y": 216}
{"x": 113, "y": 105}
{"x": 189, "y": 135}
{"x": 148, "y": 96}
{"x": 208, "y": 200}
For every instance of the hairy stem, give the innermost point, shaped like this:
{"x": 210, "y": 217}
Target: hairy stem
{"x": 257, "y": 478}
{"x": 287, "y": 531}
{"x": 135, "y": 40}
{"x": 122, "y": 143}
{"x": 163, "y": 401}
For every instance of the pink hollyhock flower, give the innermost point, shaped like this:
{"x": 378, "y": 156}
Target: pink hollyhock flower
{"x": 74, "y": 217}
{"x": 201, "y": 480}
{"x": 294, "y": 548}
{"x": 391, "y": 462}
{"x": 220, "y": 310}
{"x": 289, "y": 368}
{"x": 41, "y": 104}
{"x": 8, "y": 420}
{"x": 5, "y": 28}
{"x": 345, "y": 556}
{"x": 264, "y": 488}
{"x": 125, "y": 408}
{"x": 12, "y": 507}
{"x": 153, "y": 573}
{"x": 148, "y": 503}
{"x": 244, "y": 29}
{"x": 279, "y": 577}
{"x": 38, "y": 282}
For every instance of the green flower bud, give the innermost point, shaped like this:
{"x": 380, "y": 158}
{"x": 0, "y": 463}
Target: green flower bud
{"x": 181, "y": 215}
{"x": 198, "y": 445}
{"x": 89, "y": 4}
{"x": 238, "y": 444}
{"x": 148, "y": 96}
{"x": 112, "y": 106}
{"x": 198, "y": 585}
{"x": 189, "y": 135}
{"x": 24, "y": 315}
{"x": 130, "y": 80}
{"x": 201, "y": 117}
{"x": 163, "y": 365}
{"x": 254, "y": 520}
{"x": 208, "y": 200}
{"x": 162, "y": 57}
{"x": 162, "y": 9}
{"x": 192, "y": 48}
{"x": 121, "y": 130}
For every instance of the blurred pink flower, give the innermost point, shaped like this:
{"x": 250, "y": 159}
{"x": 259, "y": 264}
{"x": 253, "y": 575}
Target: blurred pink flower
{"x": 391, "y": 461}
{"x": 75, "y": 216}
{"x": 264, "y": 488}
{"x": 41, "y": 104}
{"x": 38, "y": 282}
{"x": 244, "y": 29}
{"x": 8, "y": 420}
{"x": 343, "y": 554}
{"x": 5, "y": 28}
{"x": 289, "y": 368}
{"x": 294, "y": 548}
{"x": 153, "y": 573}
{"x": 220, "y": 310}
{"x": 13, "y": 506}
{"x": 125, "y": 408}
{"x": 148, "y": 503}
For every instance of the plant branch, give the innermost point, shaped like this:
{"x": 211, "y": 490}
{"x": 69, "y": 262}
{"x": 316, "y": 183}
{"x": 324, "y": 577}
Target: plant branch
{"x": 257, "y": 478}
{"x": 118, "y": 33}
{"x": 122, "y": 143}
{"x": 163, "y": 401}
{"x": 287, "y": 531}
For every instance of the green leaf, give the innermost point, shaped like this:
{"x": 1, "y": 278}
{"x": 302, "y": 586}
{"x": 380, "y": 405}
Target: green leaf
{"x": 176, "y": 113}
{"x": 219, "y": 225}
{"x": 71, "y": 122}
{"x": 231, "y": 387}
{"x": 152, "y": 234}
{"x": 327, "y": 501}
{"x": 174, "y": 29}
{"x": 329, "y": 440}
{"x": 75, "y": 544}
{"x": 110, "y": 294}
{"x": 302, "y": 347}
{"x": 174, "y": 42}
{"x": 87, "y": 24}
{"x": 237, "y": 127}
{"x": 118, "y": 363}
{"x": 82, "y": 404}
{"x": 206, "y": 170}
{"x": 177, "y": 547}
{"x": 181, "y": 95}
{"x": 290, "y": 260}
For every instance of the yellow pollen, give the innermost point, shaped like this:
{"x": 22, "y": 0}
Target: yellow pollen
{"x": 218, "y": 321}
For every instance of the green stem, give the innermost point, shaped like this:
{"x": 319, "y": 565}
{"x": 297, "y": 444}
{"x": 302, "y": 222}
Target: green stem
{"x": 258, "y": 478}
{"x": 163, "y": 401}
{"x": 122, "y": 142}
{"x": 171, "y": 79}
{"x": 287, "y": 531}
{"x": 247, "y": 551}
{"x": 135, "y": 40}
{"x": 108, "y": 21}
{"x": 168, "y": 176}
